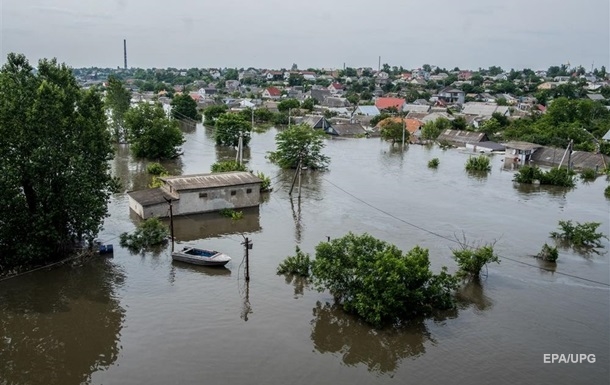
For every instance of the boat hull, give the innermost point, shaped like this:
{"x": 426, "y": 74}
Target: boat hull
{"x": 187, "y": 256}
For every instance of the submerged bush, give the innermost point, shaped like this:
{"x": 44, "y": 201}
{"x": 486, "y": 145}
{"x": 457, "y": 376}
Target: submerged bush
{"x": 548, "y": 253}
{"x": 156, "y": 169}
{"x": 471, "y": 258}
{"x": 588, "y": 174}
{"x": 298, "y": 264}
{"x": 580, "y": 234}
{"x": 377, "y": 281}
{"x": 229, "y": 165}
{"x": 266, "y": 185}
{"x": 554, "y": 177}
{"x": 478, "y": 163}
{"x": 230, "y": 213}
{"x": 607, "y": 191}
{"x": 149, "y": 233}
{"x": 433, "y": 163}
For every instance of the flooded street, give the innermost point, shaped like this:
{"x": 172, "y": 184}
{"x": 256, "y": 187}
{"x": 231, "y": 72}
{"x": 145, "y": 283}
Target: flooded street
{"x": 143, "y": 319}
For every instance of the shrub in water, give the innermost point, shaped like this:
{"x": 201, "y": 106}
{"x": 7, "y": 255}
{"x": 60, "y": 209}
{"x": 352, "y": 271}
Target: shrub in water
{"x": 471, "y": 259}
{"x": 299, "y": 264}
{"x": 580, "y": 234}
{"x": 548, "y": 253}
{"x": 156, "y": 169}
{"x": 478, "y": 163}
{"x": 149, "y": 233}
{"x": 588, "y": 175}
{"x": 433, "y": 163}
{"x": 227, "y": 166}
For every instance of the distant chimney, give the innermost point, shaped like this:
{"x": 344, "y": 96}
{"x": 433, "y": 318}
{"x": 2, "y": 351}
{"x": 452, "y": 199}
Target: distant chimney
{"x": 125, "y": 52}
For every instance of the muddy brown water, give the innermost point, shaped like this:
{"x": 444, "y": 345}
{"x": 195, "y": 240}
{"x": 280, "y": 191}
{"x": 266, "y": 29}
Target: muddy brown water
{"x": 143, "y": 319}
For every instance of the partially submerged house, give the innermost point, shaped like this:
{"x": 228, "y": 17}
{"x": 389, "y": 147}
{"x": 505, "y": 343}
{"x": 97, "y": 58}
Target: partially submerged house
{"x": 521, "y": 152}
{"x": 346, "y": 129}
{"x": 552, "y": 156}
{"x": 486, "y": 147}
{"x": 198, "y": 193}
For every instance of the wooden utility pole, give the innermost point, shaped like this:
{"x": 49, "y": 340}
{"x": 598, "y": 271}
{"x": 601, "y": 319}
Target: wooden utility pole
{"x": 171, "y": 220}
{"x": 248, "y": 246}
{"x": 300, "y": 171}
{"x": 294, "y": 179}
{"x": 570, "y": 154}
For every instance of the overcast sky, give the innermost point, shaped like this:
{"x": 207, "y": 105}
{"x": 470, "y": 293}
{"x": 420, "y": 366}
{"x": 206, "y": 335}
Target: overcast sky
{"x": 313, "y": 33}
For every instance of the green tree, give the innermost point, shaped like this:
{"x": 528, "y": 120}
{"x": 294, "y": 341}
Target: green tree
{"x": 55, "y": 181}
{"x": 392, "y": 130}
{"x": 430, "y": 131}
{"x": 308, "y": 104}
{"x": 117, "y": 101}
{"x": 300, "y": 141}
{"x": 184, "y": 107}
{"x": 228, "y": 128}
{"x": 211, "y": 113}
{"x": 231, "y": 74}
{"x": 228, "y": 165}
{"x": 288, "y": 104}
{"x": 377, "y": 281}
{"x": 152, "y": 135}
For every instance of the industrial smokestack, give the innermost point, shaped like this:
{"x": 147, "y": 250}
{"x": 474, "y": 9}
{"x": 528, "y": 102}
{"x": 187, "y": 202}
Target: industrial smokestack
{"x": 125, "y": 52}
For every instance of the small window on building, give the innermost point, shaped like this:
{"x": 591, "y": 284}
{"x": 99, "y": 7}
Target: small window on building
{"x": 248, "y": 191}
{"x": 233, "y": 192}
{"x": 203, "y": 195}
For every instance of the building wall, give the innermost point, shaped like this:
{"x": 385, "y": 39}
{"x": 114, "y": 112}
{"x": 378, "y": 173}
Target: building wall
{"x": 160, "y": 210}
{"x": 206, "y": 200}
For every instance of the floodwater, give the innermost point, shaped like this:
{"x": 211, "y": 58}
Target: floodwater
{"x": 143, "y": 319}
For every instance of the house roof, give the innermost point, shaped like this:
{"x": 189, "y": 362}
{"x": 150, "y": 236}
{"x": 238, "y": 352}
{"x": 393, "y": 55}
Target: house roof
{"x": 416, "y": 108}
{"x": 411, "y": 125}
{"x": 492, "y": 146}
{"x": 273, "y": 91}
{"x": 596, "y": 97}
{"x": 459, "y": 136}
{"x": 150, "y": 197}
{"x": 368, "y": 110}
{"x": 348, "y": 129}
{"x": 522, "y": 145}
{"x": 383, "y": 103}
{"x": 337, "y": 86}
{"x": 480, "y": 109}
{"x": 204, "y": 181}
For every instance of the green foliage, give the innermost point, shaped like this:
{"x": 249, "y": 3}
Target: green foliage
{"x": 471, "y": 259}
{"x": 55, "y": 144}
{"x": 156, "y": 169}
{"x": 228, "y": 165}
{"x": 554, "y": 177}
{"x": 230, "y": 213}
{"x": 149, "y": 233}
{"x": 211, "y": 113}
{"x": 375, "y": 280}
{"x": 607, "y": 192}
{"x": 288, "y": 104}
{"x": 308, "y": 104}
{"x": 152, "y": 135}
{"x": 263, "y": 115}
{"x": 433, "y": 163}
{"x": 228, "y": 128}
{"x": 588, "y": 174}
{"x": 376, "y": 119}
{"x": 392, "y": 131}
{"x": 117, "y": 101}
{"x": 430, "y": 131}
{"x": 579, "y": 234}
{"x": 184, "y": 107}
{"x": 548, "y": 253}
{"x": 558, "y": 177}
{"x": 478, "y": 163}
{"x": 266, "y": 185}
{"x": 156, "y": 181}
{"x": 299, "y": 141}
{"x": 298, "y": 264}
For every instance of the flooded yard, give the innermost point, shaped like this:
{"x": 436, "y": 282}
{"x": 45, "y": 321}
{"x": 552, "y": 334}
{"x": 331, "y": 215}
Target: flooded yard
{"x": 136, "y": 319}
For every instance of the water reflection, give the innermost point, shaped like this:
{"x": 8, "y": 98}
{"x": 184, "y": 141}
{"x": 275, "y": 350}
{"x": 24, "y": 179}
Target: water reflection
{"x": 526, "y": 189}
{"x": 246, "y": 308}
{"x": 47, "y": 338}
{"x": 382, "y": 351}
{"x": 216, "y": 271}
{"x": 472, "y": 294}
{"x": 299, "y": 283}
{"x": 296, "y": 215}
{"x": 210, "y": 225}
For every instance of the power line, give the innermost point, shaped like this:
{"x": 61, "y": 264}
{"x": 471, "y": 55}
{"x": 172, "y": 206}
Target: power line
{"x": 456, "y": 241}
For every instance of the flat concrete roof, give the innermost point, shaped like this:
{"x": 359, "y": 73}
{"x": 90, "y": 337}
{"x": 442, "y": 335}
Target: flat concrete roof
{"x": 213, "y": 180}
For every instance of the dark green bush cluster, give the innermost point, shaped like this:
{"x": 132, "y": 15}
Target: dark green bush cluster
{"x": 579, "y": 234}
{"x": 554, "y": 177}
{"x": 149, "y": 233}
{"x": 298, "y": 264}
{"x": 433, "y": 163}
{"x": 229, "y": 165}
{"x": 548, "y": 253}
{"x": 471, "y": 259}
{"x": 478, "y": 163}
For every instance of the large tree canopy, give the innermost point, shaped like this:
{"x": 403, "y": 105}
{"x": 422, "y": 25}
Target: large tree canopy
{"x": 117, "y": 101}
{"x": 151, "y": 134}
{"x": 184, "y": 107}
{"x": 300, "y": 141}
{"x": 55, "y": 181}
{"x": 228, "y": 128}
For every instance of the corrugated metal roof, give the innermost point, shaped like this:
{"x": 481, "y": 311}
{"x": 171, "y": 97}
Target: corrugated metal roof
{"x": 479, "y": 109}
{"x": 202, "y": 181}
{"x": 524, "y": 146}
{"x": 416, "y": 108}
{"x": 368, "y": 110}
{"x": 459, "y": 136}
{"x": 348, "y": 129}
{"x": 150, "y": 197}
